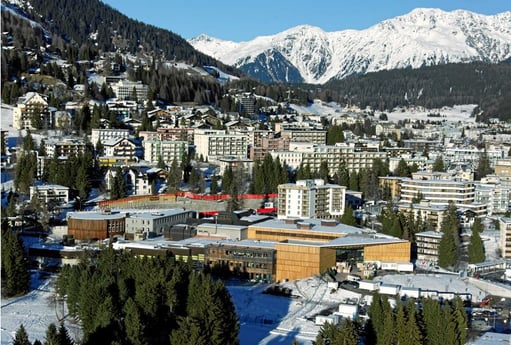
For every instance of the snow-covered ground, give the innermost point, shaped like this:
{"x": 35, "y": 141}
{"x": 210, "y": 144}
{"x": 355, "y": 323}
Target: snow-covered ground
{"x": 452, "y": 114}
{"x": 265, "y": 319}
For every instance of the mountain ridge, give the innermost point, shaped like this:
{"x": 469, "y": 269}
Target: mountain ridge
{"x": 423, "y": 37}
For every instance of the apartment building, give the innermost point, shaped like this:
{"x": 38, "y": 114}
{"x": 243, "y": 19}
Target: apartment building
{"x": 119, "y": 147}
{"x": 64, "y": 147}
{"x": 505, "y": 237}
{"x": 431, "y": 215}
{"x": 472, "y": 154}
{"x": 440, "y": 189}
{"x": 311, "y": 199}
{"x": 494, "y": 196}
{"x": 50, "y": 193}
{"x": 313, "y": 136}
{"x": 101, "y": 134}
{"x": 503, "y": 171}
{"x": 337, "y": 156}
{"x": 32, "y": 112}
{"x": 125, "y": 89}
{"x": 427, "y": 247}
{"x": 266, "y": 142}
{"x": 215, "y": 144}
{"x": 168, "y": 150}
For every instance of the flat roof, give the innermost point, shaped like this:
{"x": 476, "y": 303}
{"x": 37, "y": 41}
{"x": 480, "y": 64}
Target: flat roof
{"x": 96, "y": 215}
{"x": 362, "y": 240}
{"x": 158, "y": 214}
{"x": 221, "y": 226}
{"x": 430, "y": 234}
{"x": 280, "y": 224}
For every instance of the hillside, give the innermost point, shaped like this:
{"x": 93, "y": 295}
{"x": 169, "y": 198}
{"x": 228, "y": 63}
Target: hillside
{"x": 82, "y": 23}
{"x": 487, "y": 85}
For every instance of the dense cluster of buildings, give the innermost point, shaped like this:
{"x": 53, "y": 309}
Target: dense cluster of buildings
{"x": 305, "y": 238}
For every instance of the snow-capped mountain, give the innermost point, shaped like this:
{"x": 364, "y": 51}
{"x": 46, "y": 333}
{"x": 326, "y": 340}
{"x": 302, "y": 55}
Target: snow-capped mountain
{"x": 421, "y": 37}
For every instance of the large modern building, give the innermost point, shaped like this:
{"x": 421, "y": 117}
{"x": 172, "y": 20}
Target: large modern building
{"x": 95, "y": 225}
{"x": 310, "y": 247}
{"x": 310, "y": 199}
{"x": 438, "y": 189}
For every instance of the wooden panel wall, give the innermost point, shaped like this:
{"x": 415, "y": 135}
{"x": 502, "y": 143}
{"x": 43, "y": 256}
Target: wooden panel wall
{"x": 302, "y": 261}
{"x": 85, "y": 229}
{"x": 395, "y": 252}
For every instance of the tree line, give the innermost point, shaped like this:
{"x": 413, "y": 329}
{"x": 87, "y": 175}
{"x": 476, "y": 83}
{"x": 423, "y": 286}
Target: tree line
{"x": 413, "y": 322}
{"x": 123, "y": 299}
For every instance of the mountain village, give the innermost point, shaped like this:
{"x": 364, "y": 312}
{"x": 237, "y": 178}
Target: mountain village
{"x": 273, "y": 195}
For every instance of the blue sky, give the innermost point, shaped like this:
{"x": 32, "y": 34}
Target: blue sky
{"x": 242, "y": 20}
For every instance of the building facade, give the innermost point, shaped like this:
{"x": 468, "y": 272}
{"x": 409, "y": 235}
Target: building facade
{"x": 311, "y": 199}
{"x": 505, "y": 237}
{"x": 102, "y": 134}
{"x": 50, "y": 193}
{"x": 215, "y": 144}
{"x": 168, "y": 150}
{"x": 32, "y": 112}
{"x": 146, "y": 225}
{"x": 427, "y": 247}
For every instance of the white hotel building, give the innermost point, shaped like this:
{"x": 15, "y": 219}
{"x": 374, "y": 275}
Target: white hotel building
{"x": 311, "y": 199}
{"x": 216, "y": 144}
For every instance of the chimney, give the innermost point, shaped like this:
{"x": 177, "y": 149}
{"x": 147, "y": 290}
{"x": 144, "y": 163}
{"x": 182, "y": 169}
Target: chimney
{"x": 303, "y": 226}
{"x": 328, "y": 222}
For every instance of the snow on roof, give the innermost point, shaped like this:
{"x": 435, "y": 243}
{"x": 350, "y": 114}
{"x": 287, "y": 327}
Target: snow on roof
{"x": 340, "y": 228}
{"x": 360, "y": 240}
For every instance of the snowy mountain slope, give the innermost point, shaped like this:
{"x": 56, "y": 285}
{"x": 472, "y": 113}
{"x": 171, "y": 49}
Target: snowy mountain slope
{"x": 421, "y": 37}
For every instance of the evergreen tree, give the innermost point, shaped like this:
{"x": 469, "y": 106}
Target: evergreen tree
{"x": 433, "y": 324}
{"x": 413, "y": 334}
{"x": 477, "y": 226}
{"x": 438, "y": 165}
{"x": 403, "y": 170}
{"x": 476, "y": 248}
{"x": 21, "y": 337}
{"x": 133, "y": 323}
{"x": 483, "y": 167}
{"x": 323, "y": 171}
{"x": 447, "y": 251}
{"x": 64, "y": 337}
{"x": 401, "y": 325}
{"x": 174, "y": 176}
{"x": 161, "y": 163}
{"x": 348, "y": 218}
{"x": 214, "y": 185}
{"x": 388, "y": 336}
{"x": 52, "y": 336}
{"x": 396, "y": 230}
{"x": 41, "y": 152}
{"x": 14, "y": 272}
{"x": 461, "y": 320}
{"x": 353, "y": 184}
{"x": 28, "y": 142}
